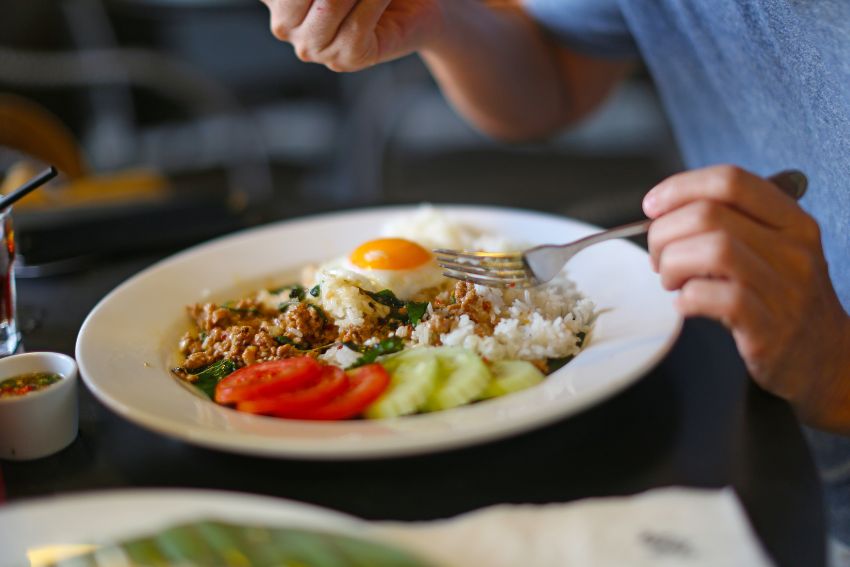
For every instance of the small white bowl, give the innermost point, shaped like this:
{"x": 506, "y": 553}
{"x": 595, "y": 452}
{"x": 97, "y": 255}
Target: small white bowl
{"x": 42, "y": 422}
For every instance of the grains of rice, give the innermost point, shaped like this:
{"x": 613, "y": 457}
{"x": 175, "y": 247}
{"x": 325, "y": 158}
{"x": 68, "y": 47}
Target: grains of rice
{"x": 538, "y": 323}
{"x": 342, "y": 299}
{"x": 340, "y": 355}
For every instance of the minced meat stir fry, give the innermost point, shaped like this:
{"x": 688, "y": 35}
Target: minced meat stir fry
{"x": 250, "y": 331}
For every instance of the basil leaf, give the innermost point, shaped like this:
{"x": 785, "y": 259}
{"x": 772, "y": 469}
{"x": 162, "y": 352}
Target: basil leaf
{"x": 315, "y": 290}
{"x": 385, "y": 297}
{"x": 386, "y": 346}
{"x": 229, "y": 306}
{"x": 207, "y": 379}
{"x": 281, "y": 289}
{"x": 297, "y": 292}
{"x": 415, "y": 311}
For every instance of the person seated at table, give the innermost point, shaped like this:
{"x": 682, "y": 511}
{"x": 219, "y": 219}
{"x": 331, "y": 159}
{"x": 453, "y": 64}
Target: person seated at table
{"x": 751, "y": 87}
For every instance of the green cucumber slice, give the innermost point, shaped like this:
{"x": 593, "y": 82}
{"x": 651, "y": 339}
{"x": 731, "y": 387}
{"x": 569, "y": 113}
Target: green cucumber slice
{"x": 463, "y": 377}
{"x": 414, "y": 375}
{"x": 511, "y": 376}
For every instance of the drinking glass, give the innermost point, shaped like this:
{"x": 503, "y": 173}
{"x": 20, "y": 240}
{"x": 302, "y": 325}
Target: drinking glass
{"x": 10, "y": 338}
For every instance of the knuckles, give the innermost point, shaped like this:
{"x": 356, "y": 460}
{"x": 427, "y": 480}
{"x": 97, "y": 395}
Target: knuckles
{"x": 339, "y": 56}
{"x": 279, "y": 29}
{"x": 304, "y": 52}
{"x": 708, "y": 215}
{"x": 351, "y": 50}
{"x": 729, "y": 181}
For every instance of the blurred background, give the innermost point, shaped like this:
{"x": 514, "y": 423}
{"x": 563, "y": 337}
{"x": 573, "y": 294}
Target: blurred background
{"x": 178, "y": 120}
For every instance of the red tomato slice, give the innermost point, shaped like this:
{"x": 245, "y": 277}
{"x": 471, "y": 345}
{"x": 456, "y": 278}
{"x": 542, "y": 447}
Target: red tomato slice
{"x": 366, "y": 384}
{"x": 332, "y": 383}
{"x": 267, "y": 379}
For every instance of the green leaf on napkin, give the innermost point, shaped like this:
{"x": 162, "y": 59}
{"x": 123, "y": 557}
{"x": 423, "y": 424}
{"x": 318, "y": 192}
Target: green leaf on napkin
{"x": 214, "y": 543}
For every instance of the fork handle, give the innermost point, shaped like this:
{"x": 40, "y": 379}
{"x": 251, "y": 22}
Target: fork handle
{"x": 546, "y": 261}
{"x": 623, "y": 231}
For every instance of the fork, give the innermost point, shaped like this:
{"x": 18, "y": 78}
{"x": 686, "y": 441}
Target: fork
{"x": 540, "y": 264}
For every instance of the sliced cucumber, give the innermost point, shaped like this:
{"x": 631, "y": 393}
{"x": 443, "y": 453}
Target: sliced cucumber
{"x": 414, "y": 376}
{"x": 463, "y": 377}
{"x": 410, "y": 355}
{"x": 511, "y": 376}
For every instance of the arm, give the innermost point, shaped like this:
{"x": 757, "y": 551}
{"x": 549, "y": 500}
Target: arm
{"x": 506, "y": 77}
{"x": 742, "y": 252}
{"x": 492, "y": 61}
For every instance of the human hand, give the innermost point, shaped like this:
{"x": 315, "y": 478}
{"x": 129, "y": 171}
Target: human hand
{"x": 742, "y": 252}
{"x": 349, "y": 35}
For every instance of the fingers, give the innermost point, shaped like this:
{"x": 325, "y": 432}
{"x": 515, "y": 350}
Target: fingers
{"x": 321, "y": 26}
{"x": 732, "y": 303}
{"x": 740, "y": 310}
{"x": 716, "y": 255}
{"x": 708, "y": 216}
{"x": 341, "y": 34}
{"x": 286, "y": 15}
{"x": 357, "y": 31}
{"x": 754, "y": 196}
{"x": 366, "y": 15}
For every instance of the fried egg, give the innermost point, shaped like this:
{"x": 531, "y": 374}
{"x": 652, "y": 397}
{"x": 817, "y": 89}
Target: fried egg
{"x": 400, "y": 265}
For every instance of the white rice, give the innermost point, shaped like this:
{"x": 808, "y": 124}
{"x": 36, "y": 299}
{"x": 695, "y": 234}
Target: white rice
{"x": 341, "y": 298}
{"x": 340, "y": 355}
{"x": 539, "y": 323}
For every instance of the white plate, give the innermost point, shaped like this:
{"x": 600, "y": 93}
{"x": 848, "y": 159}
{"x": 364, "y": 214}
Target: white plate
{"x": 36, "y": 528}
{"x": 127, "y": 344}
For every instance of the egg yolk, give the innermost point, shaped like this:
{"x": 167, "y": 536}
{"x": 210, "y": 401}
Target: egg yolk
{"x": 389, "y": 254}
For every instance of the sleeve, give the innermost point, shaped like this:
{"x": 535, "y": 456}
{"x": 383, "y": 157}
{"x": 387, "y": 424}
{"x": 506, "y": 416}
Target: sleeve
{"x": 593, "y": 27}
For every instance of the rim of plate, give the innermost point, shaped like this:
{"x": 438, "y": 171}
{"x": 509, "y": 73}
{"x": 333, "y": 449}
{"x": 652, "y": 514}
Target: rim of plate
{"x": 43, "y": 520}
{"x": 401, "y": 445}
{"x": 95, "y": 497}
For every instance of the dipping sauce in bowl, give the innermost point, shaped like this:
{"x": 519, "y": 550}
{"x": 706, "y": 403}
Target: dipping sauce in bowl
{"x": 26, "y": 383}
{"x": 38, "y": 404}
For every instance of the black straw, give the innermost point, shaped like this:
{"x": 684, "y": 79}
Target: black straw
{"x": 30, "y": 185}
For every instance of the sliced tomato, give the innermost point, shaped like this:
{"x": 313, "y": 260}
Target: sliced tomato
{"x": 267, "y": 379}
{"x": 366, "y": 384}
{"x": 332, "y": 383}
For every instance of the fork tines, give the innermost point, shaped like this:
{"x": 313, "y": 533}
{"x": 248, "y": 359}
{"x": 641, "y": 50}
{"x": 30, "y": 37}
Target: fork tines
{"x": 492, "y": 269}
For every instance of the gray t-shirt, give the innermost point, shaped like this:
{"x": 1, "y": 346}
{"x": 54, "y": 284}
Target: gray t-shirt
{"x": 764, "y": 84}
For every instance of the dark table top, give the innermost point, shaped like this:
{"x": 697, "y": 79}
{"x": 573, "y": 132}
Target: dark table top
{"x": 695, "y": 420}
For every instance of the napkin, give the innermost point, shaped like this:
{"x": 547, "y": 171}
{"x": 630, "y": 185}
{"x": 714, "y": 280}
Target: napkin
{"x": 666, "y": 527}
